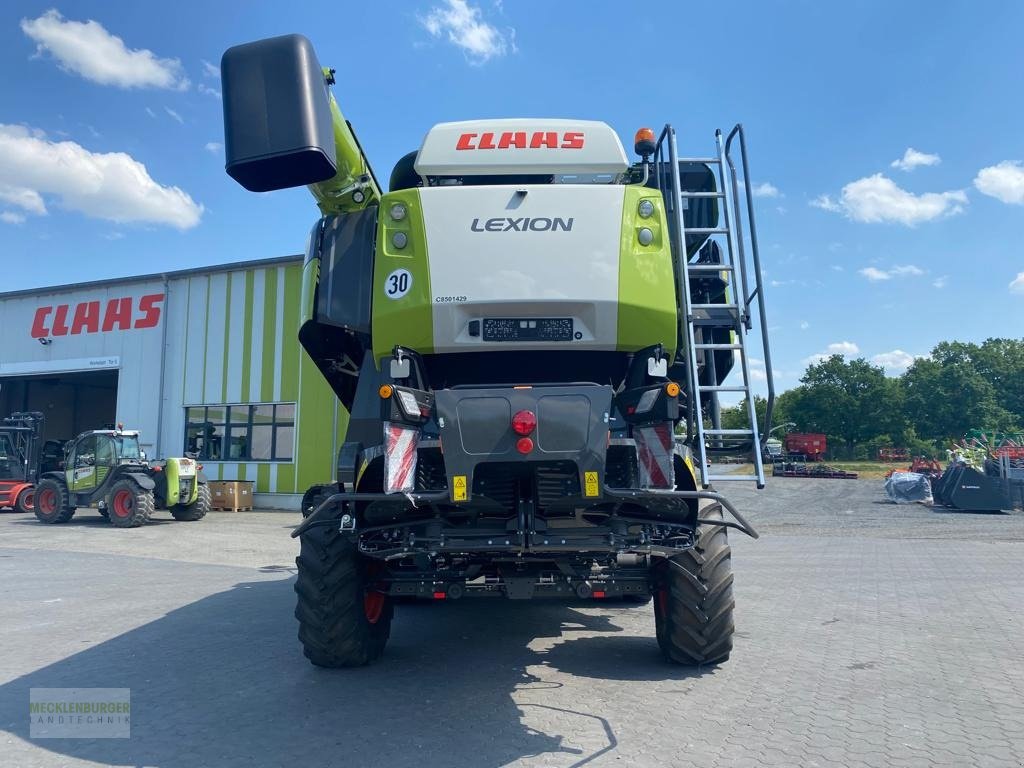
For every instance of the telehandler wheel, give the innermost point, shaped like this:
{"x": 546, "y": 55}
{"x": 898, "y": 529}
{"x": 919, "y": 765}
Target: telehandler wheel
{"x": 26, "y": 500}
{"x": 53, "y": 502}
{"x": 693, "y": 601}
{"x": 197, "y": 509}
{"x": 129, "y": 505}
{"x": 343, "y": 620}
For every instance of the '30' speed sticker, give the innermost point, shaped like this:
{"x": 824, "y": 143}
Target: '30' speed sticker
{"x": 397, "y": 284}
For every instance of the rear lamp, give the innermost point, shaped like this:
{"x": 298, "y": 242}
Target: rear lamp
{"x": 646, "y": 401}
{"x": 672, "y": 389}
{"x": 645, "y": 209}
{"x": 523, "y": 423}
{"x": 399, "y": 240}
{"x": 524, "y": 445}
{"x": 398, "y": 211}
{"x": 385, "y": 391}
{"x": 645, "y": 236}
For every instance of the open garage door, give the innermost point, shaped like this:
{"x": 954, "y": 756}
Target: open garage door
{"x": 71, "y": 402}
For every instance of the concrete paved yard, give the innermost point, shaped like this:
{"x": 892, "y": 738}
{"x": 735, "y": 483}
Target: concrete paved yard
{"x": 868, "y": 634}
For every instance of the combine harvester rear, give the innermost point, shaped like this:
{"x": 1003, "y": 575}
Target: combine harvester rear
{"x": 517, "y": 327}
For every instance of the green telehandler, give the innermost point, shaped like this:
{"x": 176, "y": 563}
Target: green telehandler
{"x": 108, "y": 471}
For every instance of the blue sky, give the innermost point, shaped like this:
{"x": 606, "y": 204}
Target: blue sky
{"x": 111, "y": 164}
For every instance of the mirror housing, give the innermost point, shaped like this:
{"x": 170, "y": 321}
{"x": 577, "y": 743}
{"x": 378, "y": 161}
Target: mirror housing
{"x": 278, "y": 131}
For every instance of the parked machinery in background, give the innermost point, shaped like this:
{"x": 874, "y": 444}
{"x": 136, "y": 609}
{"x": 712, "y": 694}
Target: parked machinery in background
{"x": 985, "y": 473}
{"x": 19, "y": 459}
{"x": 809, "y": 446}
{"x": 108, "y": 471}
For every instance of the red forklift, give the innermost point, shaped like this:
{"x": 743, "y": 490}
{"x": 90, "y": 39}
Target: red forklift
{"x": 20, "y": 435}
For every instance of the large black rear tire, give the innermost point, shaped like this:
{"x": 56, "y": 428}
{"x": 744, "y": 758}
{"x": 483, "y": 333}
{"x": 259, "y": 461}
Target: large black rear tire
{"x": 198, "y": 509}
{"x": 129, "y": 505}
{"x": 52, "y": 503}
{"x": 693, "y": 605}
{"x": 343, "y": 620}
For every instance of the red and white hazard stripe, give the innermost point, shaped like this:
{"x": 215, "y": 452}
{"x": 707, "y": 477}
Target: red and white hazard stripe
{"x": 400, "y": 445}
{"x": 654, "y": 455}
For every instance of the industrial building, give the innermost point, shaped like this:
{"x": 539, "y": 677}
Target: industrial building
{"x": 202, "y": 360}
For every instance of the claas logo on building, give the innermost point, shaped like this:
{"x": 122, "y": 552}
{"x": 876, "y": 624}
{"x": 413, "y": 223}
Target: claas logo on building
{"x": 93, "y": 317}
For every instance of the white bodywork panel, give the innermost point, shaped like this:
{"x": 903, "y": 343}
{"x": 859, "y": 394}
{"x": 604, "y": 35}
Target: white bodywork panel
{"x": 521, "y": 145}
{"x": 552, "y": 252}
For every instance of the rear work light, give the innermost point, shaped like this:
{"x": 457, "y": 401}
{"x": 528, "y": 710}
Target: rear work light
{"x": 523, "y": 423}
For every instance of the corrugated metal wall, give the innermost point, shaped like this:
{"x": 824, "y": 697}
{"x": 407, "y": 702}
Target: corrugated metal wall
{"x": 232, "y": 340}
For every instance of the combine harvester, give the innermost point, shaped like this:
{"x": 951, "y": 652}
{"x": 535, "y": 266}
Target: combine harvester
{"x": 518, "y": 327}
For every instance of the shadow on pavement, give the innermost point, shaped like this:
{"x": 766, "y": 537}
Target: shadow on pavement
{"x": 222, "y": 681}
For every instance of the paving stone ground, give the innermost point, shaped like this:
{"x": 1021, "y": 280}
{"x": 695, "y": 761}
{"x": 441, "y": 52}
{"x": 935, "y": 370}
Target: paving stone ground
{"x": 868, "y": 635}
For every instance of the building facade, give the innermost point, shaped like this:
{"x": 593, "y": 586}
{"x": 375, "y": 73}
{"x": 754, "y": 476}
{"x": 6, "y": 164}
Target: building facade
{"x": 199, "y": 360}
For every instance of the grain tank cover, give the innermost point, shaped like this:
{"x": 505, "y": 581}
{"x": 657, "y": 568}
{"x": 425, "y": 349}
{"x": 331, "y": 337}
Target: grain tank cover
{"x": 521, "y": 146}
{"x": 277, "y": 116}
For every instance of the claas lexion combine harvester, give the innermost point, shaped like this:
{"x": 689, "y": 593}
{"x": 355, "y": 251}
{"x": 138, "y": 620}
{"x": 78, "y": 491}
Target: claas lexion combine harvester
{"x": 519, "y": 327}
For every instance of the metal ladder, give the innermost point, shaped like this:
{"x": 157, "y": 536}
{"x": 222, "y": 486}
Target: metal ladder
{"x": 734, "y": 315}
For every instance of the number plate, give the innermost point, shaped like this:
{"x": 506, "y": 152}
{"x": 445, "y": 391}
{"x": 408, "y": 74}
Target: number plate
{"x": 541, "y": 329}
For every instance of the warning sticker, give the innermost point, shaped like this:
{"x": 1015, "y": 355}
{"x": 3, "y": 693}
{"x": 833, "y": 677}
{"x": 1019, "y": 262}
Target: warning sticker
{"x": 590, "y": 484}
{"x": 459, "y": 488}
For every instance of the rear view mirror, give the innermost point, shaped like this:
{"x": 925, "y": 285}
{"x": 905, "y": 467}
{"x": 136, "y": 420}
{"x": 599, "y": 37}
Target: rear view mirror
{"x": 657, "y": 368}
{"x": 400, "y": 369}
{"x": 277, "y": 116}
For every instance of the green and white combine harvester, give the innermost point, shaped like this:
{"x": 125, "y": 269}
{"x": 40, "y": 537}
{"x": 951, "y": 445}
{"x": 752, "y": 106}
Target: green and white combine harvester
{"x": 107, "y": 470}
{"x": 518, "y": 327}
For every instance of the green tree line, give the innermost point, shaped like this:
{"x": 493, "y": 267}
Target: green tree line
{"x": 959, "y": 387}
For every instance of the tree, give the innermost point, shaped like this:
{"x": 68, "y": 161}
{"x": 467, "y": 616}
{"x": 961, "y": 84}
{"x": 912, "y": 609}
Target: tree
{"x": 947, "y": 395}
{"x": 850, "y": 401}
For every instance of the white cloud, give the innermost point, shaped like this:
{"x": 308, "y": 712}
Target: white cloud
{"x": 174, "y": 115}
{"x": 214, "y": 146}
{"x": 1004, "y": 181}
{"x": 210, "y": 70}
{"x": 27, "y": 199}
{"x": 12, "y": 217}
{"x": 464, "y": 26}
{"x": 208, "y": 91}
{"x": 895, "y": 362}
{"x": 845, "y": 348}
{"x": 912, "y": 159}
{"x": 804, "y": 325}
{"x": 109, "y": 185}
{"x": 764, "y": 189}
{"x": 826, "y": 203}
{"x": 900, "y": 270}
{"x": 874, "y": 274}
{"x": 941, "y": 281}
{"x": 878, "y": 198}
{"x": 88, "y": 49}
{"x": 1017, "y": 284}
{"x": 150, "y": 112}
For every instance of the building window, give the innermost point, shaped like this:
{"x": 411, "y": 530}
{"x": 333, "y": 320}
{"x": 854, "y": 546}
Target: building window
{"x": 263, "y": 432}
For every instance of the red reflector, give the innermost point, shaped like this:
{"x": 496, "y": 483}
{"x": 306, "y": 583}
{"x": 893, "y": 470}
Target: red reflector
{"x": 524, "y": 445}
{"x": 440, "y": 595}
{"x": 524, "y": 422}
{"x": 598, "y": 594}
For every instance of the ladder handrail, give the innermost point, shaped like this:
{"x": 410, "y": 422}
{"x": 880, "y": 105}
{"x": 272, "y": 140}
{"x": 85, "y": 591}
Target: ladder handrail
{"x": 756, "y": 256}
{"x": 668, "y": 181}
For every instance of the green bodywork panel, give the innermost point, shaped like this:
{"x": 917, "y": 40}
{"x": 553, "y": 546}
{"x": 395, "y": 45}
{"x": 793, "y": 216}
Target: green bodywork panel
{"x": 408, "y": 320}
{"x": 336, "y": 194}
{"x": 647, "y": 294}
{"x": 172, "y": 471}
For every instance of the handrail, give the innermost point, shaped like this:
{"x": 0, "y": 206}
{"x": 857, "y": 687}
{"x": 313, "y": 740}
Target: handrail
{"x": 756, "y": 257}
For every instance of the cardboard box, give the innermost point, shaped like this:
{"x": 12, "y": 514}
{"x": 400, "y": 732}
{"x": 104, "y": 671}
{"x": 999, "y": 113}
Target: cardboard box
{"x": 231, "y": 495}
